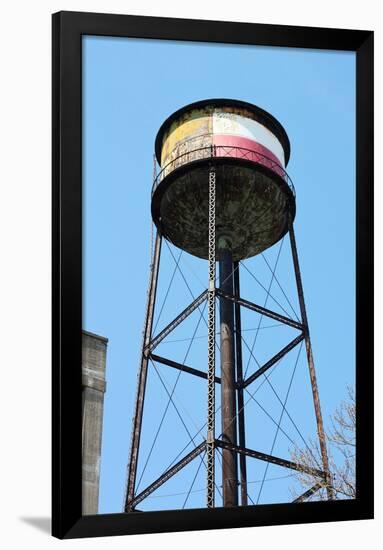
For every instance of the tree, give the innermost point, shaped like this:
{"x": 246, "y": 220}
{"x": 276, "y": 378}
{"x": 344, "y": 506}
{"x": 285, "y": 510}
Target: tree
{"x": 341, "y": 450}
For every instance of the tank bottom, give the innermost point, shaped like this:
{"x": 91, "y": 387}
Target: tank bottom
{"x": 252, "y": 207}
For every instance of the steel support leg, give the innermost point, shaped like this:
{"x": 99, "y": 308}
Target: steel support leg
{"x": 142, "y": 375}
{"x": 240, "y": 399}
{"x": 310, "y": 359}
{"x": 228, "y": 397}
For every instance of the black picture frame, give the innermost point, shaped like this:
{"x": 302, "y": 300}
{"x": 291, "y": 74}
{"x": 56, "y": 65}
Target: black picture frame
{"x": 68, "y": 29}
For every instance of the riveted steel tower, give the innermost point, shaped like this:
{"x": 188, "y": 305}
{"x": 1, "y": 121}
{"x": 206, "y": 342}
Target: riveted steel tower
{"x": 222, "y": 195}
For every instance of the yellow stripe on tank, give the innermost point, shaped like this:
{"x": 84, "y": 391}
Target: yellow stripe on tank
{"x": 195, "y": 123}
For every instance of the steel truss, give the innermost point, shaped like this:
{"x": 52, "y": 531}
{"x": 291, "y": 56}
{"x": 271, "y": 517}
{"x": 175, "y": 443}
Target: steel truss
{"x": 234, "y": 448}
{"x": 211, "y": 443}
{"x": 166, "y": 476}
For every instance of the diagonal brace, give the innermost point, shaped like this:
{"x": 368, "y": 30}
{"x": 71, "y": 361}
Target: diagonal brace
{"x": 309, "y": 492}
{"x": 262, "y": 310}
{"x": 181, "y": 367}
{"x": 165, "y": 476}
{"x": 273, "y": 360}
{"x": 270, "y": 458}
{"x": 177, "y": 321}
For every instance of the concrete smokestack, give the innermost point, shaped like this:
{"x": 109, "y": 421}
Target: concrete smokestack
{"x": 93, "y": 389}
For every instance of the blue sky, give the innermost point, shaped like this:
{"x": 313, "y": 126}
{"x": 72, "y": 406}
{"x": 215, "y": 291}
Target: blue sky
{"x": 130, "y": 87}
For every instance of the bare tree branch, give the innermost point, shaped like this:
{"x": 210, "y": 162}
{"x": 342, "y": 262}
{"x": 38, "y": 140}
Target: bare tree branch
{"x": 341, "y": 450}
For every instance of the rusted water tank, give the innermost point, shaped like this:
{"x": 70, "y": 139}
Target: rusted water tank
{"x": 254, "y": 196}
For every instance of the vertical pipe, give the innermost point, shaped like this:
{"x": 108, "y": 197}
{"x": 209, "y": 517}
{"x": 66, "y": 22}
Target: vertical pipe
{"x": 142, "y": 375}
{"x": 241, "y": 410}
{"x": 228, "y": 398}
{"x": 310, "y": 360}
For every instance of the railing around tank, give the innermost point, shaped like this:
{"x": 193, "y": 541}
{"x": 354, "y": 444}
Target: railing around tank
{"x": 222, "y": 151}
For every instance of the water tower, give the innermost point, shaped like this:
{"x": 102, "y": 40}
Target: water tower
{"x": 222, "y": 195}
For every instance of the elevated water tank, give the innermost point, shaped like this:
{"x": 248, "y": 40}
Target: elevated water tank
{"x": 254, "y": 196}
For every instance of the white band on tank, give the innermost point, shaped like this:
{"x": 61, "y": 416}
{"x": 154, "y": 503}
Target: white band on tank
{"x": 237, "y": 125}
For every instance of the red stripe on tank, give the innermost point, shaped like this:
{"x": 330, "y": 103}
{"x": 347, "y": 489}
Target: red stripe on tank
{"x": 241, "y": 147}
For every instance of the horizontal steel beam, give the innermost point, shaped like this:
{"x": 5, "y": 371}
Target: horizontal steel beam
{"x": 165, "y": 476}
{"x": 273, "y": 360}
{"x": 181, "y": 317}
{"x": 270, "y": 458}
{"x": 309, "y": 492}
{"x": 261, "y": 310}
{"x": 182, "y": 367}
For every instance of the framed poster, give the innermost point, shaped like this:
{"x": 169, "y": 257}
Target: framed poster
{"x": 212, "y": 274}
